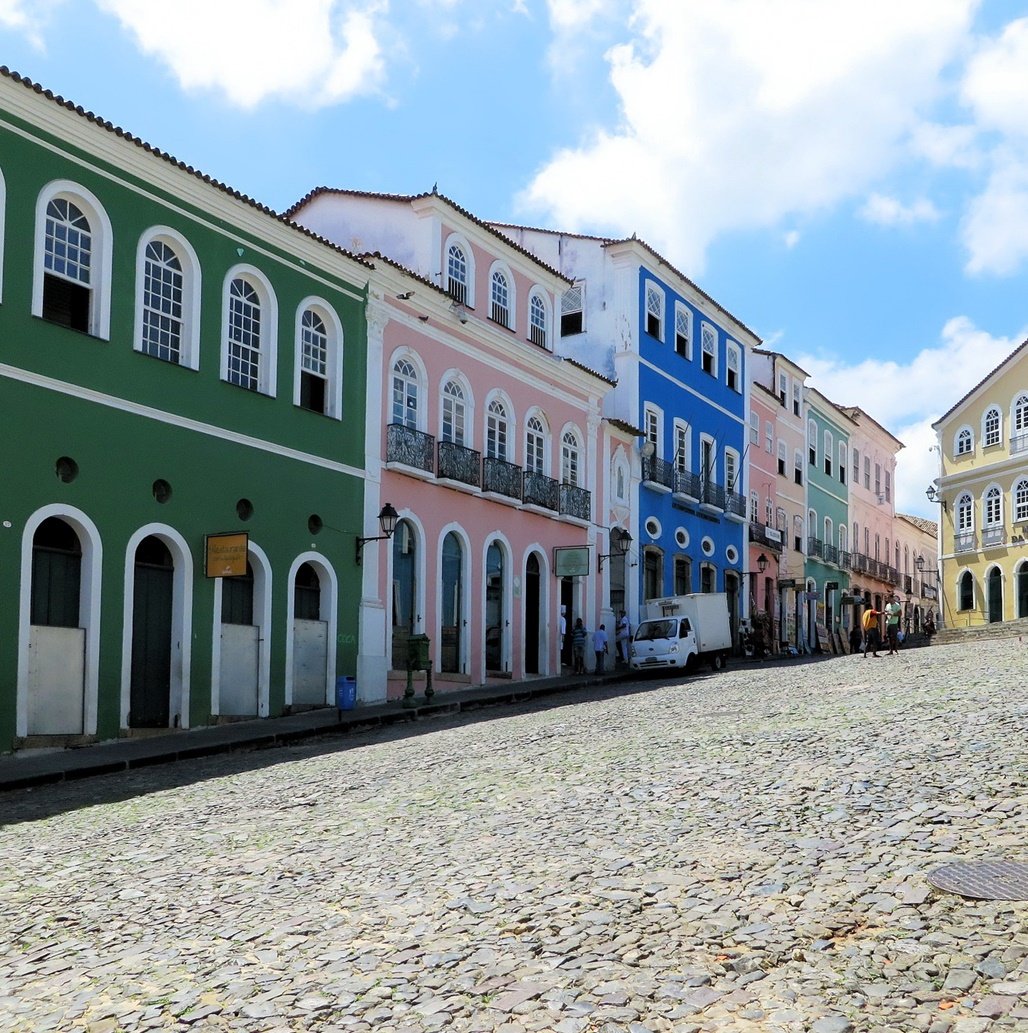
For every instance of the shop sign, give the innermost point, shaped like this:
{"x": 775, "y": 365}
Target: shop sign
{"x": 226, "y": 554}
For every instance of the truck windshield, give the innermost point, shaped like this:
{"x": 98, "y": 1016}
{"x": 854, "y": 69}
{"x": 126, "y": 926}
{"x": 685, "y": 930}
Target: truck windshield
{"x": 657, "y": 629}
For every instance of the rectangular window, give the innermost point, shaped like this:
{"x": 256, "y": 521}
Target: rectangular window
{"x": 654, "y": 311}
{"x": 856, "y": 466}
{"x": 732, "y": 378}
{"x": 888, "y": 486}
{"x": 795, "y": 399}
{"x": 572, "y": 310}
{"x": 683, "y": 575}
{"x": 754, "y": 427}
{"x": 708, "y": 341}
{"x": 867, "y": 473}
{"x": 783, "y": 387}
{"x": 769, "y": 437}
{"x": 683, "y": 331}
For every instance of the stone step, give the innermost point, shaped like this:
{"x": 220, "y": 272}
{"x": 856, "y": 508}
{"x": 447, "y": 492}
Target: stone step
{"x": 977, "y": 632}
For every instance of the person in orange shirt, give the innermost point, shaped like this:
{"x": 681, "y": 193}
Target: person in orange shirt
{"x": 869, "y": 622}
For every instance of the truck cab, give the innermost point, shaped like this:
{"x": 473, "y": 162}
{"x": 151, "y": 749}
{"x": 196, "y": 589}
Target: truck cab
{"x": 663, "y": 642}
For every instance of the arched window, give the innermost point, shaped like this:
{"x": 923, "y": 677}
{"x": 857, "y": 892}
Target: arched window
{"x": 829, "y": 449}
{"x": 454, "y": 426}
{"x": 812, "y": 442}
{"x": 569, "y": 452}
{"x": 457, "y": 273}
{"x": 1020, "y": 500}
{"x": 499, "y": 298}
{"x": 167, "y": 298}
{"x": 992, "y": 507}
{"x": 405, "y": 394}
{"x": 249, "y": 333}
{"x": 992, "y": 432}
{"x": 964, "y": 514}
{"x": 405, "y": 590}
{"x": 965, "y": 442}
{"x": 535, "y": 446}
{"x": 1019, "y": 418}
{"x": 965, "y": 591}
{"x": 313, "y": 361}
{"x": 495, "y": 591}
{"x": 537, "y": 321}
{"x": 654, "y": 311}
{"x": 496, "y": 428}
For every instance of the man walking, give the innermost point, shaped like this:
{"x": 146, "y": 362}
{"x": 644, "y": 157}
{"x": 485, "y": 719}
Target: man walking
{"x": 578, "y": 636}
{"x": 892, "y": 623}
{"x": 624, "y": 634}
{"x": 869, "y": 622}
{"x": 600, "y": 646}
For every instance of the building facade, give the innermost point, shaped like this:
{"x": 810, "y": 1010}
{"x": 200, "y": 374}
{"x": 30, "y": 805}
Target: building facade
{"x": 179, "y": 363}
{"x": 983, "y": 496}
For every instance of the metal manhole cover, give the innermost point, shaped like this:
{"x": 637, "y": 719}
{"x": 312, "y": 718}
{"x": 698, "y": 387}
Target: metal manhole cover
{"x": 983, "y": 880}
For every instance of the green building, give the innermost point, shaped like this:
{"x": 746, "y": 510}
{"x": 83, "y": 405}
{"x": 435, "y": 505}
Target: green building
{"x": 176, "y": 362}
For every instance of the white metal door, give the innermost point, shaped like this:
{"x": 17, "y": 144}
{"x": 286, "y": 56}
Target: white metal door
{"x": 239, "y": 670}
{"x": 57, "y": 679}
{"x": 310, "y": 661}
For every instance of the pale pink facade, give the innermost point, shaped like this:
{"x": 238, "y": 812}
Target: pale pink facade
{"x": 488, "y": 444}
{"x": 765, "y": 539}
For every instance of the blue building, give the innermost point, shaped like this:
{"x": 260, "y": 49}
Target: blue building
{"x": 680, "y": 363}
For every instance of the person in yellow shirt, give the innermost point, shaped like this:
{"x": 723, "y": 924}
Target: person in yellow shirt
{"x": 869, "y": 622}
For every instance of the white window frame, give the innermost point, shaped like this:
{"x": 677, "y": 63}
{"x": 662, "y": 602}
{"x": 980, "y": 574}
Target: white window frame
{"x": 189, "y": 344}
{"x": 993, "y": 436}
{"x": 469, "y": 261}
{"x": 1019, "y": 501}
{"x": 963, "y": 436}
{"x": 415, "y": 381}
{"x": 856, "y": 467}
{"x": 842, "y": 462}
{"x": 796, "y": 399}
{"x": 577, "y": 292}
{"x": 1018, "y": 407}
{"x": 571, "y": 457}
{"x": 783, "y": 458}
{"x": 539, "y": 303}
{"x": 708, "y": 476}
{"x": 992, "y": 506}
{"x": 754, "y": 428}
{"x": 829, "y": 452}
{"x": 683, "y": 330}
{"x": 732, "y": 463}
{"x": 812, "y": 442}
{"x": 102, "y": 244}
{"x": 652, "y": 290}
{"x": 733, "y": 354}
{"x": 682, "y": 441}
{"x": 708, "y": 346}
{"x": 461, "y": 407}
{"x": 333, "y": 354}
{"x": 267, "y": 376}
{"x": 500, "y": 269}
{"x": 769, "y": 437}
{"x": 963, "y": 518}
{"x": 499, "y": 418}
{"x": 783, "y": 389}
{"x": 653, "y": 427}
{"x": 537, "y": 440}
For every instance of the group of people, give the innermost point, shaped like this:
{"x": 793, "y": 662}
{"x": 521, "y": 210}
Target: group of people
{"x": 869, "y": 622}
{"x": 600, "y": 643}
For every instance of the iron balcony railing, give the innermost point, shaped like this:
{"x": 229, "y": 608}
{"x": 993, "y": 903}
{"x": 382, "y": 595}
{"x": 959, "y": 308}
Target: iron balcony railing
{"x": 908, "y": 585}
{"x": 814, "y": 546}
{"x": 844, "y": 559}
{"x": 829, "y": 553}
{"x": 658, "y": 471}
{"x": 576, "y": 501}
{"x": 411, "y": 447}
{"x": 540, "y": 490}
{"x": 712, "y": 494}
{"x": 501, "y": 477}
{"x": 1018, "y": 443}
{"x": 891, "y": 574}
{"x": 459, "y": 463}
{"x": 993, "y": 536}
{"x": 736, "y": 503}
{"x": 966, "y": 542}
{"x": 687, "y": 483}
{"x": 762, "y": 535}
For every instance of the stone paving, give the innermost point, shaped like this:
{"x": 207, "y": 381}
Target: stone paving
{"x": 745, "y": 851}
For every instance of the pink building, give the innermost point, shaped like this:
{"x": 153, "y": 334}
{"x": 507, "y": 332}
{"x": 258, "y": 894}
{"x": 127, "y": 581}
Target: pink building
{"x": 489, "y": 446}
{"x": 765, "y": 535}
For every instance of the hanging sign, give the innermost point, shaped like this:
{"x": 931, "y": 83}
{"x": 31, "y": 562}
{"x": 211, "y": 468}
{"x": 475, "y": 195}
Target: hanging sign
{"x": 571, "y": 561}
{"x": 226, "y": 554}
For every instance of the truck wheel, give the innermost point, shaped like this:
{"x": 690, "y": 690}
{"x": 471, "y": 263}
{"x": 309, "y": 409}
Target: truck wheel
{"x": 718, "y": 663}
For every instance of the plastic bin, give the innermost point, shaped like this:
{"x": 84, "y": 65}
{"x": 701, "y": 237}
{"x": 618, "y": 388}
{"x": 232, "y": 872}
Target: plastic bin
{"x": 346, "y": 693}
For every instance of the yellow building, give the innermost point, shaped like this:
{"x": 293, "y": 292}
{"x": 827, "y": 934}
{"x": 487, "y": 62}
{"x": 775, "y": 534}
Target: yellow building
{"x": 983, "y": 494}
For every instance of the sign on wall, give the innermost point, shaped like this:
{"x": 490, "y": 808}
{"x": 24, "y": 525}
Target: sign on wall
{"x": 226, "y": 554}
{"x": 571, "y": 561}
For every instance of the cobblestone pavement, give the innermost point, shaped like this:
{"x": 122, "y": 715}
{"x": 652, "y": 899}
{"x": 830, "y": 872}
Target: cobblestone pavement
{"x": 746, "y": 851}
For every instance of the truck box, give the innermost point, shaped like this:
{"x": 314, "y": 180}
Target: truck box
{"x": 683, "y": 630}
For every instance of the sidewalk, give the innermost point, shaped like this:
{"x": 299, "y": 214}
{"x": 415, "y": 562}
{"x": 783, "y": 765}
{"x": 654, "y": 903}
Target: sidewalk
{"x": 28, "y": 768}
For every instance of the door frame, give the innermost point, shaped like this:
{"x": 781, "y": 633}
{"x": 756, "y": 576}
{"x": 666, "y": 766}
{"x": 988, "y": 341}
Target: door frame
{"x": 329, "y": 613}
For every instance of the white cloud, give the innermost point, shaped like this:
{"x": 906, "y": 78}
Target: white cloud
{"x": 737, "y": 113}
{"x": 28, "y": 19}
{"x": 314, "y": 52}
{"x": 996, "y": 81}
{"x": 995, "y": 228}
{"x": 792, "y": 238}
{"x": 947, "y": 146}
{"x": 567, "y": 15}
{"x": 888, "y": 211}
{"x": 908, "y": 397}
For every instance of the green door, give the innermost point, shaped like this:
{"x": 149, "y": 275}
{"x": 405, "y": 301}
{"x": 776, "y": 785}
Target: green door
{"x": 150, "y": 694}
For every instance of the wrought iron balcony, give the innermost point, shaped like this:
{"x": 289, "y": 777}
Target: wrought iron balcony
{"x": 908, "y": 584}
{"x": 501, "y": 477}
{"x": 764, "y": 535}
{"x": 458, "y": 463}
{"x": 1018, "y": 443}
{"x": 815, "y": 546}
{"x": 687, "y": 483}
{"x": 411, "y": 447}
{"x": 712, "y": 495}
{"x": 540, "y": 490}
{"x": 829, "y": 553}
{"x": 967, "y": 542}
{"x": 576, "y": 501}
{"x": 658, "y": 471}
{"x": 993, "y": 536}
{"x": 845, "y": 559}
{"x": 891, "y": 574}
{"x": 858, "y": 562}
{"x": 736, "y": 504}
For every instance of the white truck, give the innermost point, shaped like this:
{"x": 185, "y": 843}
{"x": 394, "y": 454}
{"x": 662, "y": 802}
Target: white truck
{"x": 683, "y": 631}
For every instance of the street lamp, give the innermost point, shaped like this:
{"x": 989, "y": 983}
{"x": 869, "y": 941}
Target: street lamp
{"x": 387, "y": 518}
{"x": 762, "y": 563}
{"x": 934, "y": 496}
{"x": 619, "y": 543}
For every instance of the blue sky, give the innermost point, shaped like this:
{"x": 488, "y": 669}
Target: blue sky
{"x": 849, "y": 178}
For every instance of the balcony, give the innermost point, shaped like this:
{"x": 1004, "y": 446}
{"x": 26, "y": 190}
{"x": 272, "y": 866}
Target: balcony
{"x": 1018, "y": 443}
{"x": 891, "y": 574}
{"x": 845, "y": 559}
{"x": 540, "y": 490}
{"x": 966, "y": 542}
{"x": 993, "y": 537}
{"x": 712, "y": 496}
{"x": 858, "y": 562}
{"x": 908, "y": 585}
{"x": 830, "y": 554}
{"x": 658, "y": 472}
{"x": 764, "y": 535}
{"x": 501, "y": 478}
{"x": 687, "y": 484}
{"x": 457, "y": 463}
{"x": 575, "y": 502}
{"x": 410, "y": 447}
{"x": 736, "y": 506}
{"x": 815, "y": 547}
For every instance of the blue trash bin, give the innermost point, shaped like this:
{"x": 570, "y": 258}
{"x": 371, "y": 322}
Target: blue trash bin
{"x": 346, "y": 693}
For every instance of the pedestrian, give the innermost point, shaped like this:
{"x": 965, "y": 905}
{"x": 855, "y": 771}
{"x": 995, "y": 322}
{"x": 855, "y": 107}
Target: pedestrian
{"x": 869, "y": 622}
{"x": 855, "y": 639}
{"x": 892, "y": 623}
{"x": 578, "y": 637}
{"x": 600, "y": 646}
{"x": 624, "y": 635}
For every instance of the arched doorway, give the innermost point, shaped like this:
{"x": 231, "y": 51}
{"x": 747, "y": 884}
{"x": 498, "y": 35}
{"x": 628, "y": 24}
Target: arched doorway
{"x": 495, "y": 622}
{"x": 152, "y": 616}
{"x": 995, "y": 595}
{"x": 452, "y": 611}
{"x": 404, "y": 591}
{"x": 732, "y": 591}
{"x": 1022, "y": 590}
{"x": 533, "y": 626}
{"x": 310, "y": 639}
{"x": 57, "y": 645}
{"x": 240, "y": 647}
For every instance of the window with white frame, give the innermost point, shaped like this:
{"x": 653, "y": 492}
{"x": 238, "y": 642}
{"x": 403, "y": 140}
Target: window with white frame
{"x": 769, "y": 511}
{"x": 964, "y": 514}
{"x": 828, "y": 452}
{"x": 572, "y": 310}
{"x": 842, "y": 537}
{"x": 856, "y": 467}
{"x": 991, "y": 427}
{"x": 888, "y": 485}
{"x": 992, "y": 507}
{"x": 812, "y": 442}
{"x": 797, "y": 466}
{"x": 708, "y": 346}
{"x": 769, "y": 437}
{"x": 754, "y": 427}
{"x": 537, "y": 320}
{"x": 651, "y": 427}
{"x": 754, "y": 507}
{"x": 731, "y": 469}
{"x": 842, "y": 462}
{"x": 829, "y": 531}
{"x": 683, "y": 330}
{"x": 1019, "y": 415}
{"x": 856, "y": 535}
{"x": 795, "y": 399}
{"x": 496, "y": 427}
{"x": 246, "y": 337}
{"x": 654, "y": 311}
{"x": 783, "y": 457}
{"x": 965, "y": 442}
{"x": 867, "y": 473}
{"x": 535, "y": 445}
{"x": 314, "y": 354}
{"x": 1020, "y": 501}
{"x": 454, "y": 413}
{"x": 733, "y": 362}
{"x": 457, "y": 273}
{"x": 682, "y": 457}
{"x": 405, "y": 394}
{"x": 783, "y": 388}
{"x": 878, "y": 478}
{"x": 163, "y": 314}
{"x": 708, "y": 461}
{"x": 867, "y": 541}
{"x": 797, "y": 533}
{"x": 570, "y": 450}
{"x": 965, "y": 591}
{"x": 499, "y": 298}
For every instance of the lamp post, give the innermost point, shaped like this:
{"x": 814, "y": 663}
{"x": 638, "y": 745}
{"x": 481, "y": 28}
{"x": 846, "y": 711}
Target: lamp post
{"x": 387, "y": 518}
{"x": 934, "y": 495}
{"x": 619, "y": 545}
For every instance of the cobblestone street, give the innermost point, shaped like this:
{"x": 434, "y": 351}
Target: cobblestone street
{"x": 745, "y": 851}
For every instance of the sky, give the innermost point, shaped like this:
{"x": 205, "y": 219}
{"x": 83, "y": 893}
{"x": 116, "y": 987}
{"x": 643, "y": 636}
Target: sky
{"x": 848, "y": 178}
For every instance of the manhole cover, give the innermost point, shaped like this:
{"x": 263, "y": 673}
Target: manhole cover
{"x": 984, "y": 880}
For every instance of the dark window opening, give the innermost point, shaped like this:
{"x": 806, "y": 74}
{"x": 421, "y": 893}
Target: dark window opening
{"x": 652, "y": 325}
{"x": 307, "y": 594}
{"x": 312, "y": 392}
{"x": 571, "y": 323}
{"x": 237, "y": 598}
{"x": 708, "y": 363}
{"x": 66, "y": 303}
